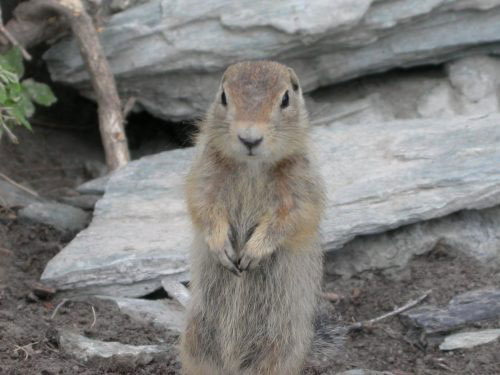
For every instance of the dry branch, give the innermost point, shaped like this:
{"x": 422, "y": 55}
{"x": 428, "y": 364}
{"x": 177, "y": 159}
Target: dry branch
{"x": 367, "y": 323}
{"x": 14, "y": 183}
{"x": 61, "y": 304}
{"x": 12, "y": 40}
{"x": 110, "y": 110}
{"x": 94, "y": 317}
{"x": 41, "y": 14}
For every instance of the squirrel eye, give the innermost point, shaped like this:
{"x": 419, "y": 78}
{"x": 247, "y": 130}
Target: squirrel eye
{"x": 223, "y": 99}
{"x": 285, "y": 100}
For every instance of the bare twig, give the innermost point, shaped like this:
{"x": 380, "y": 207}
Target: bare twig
{"x": 129, "y": 105}
{"x": 23, "y": 349}
{"x": 14, "y": 41}
{"x": 26, "y": 349}
{"x": 11, "y": 181}
{"x": 367, "y": 323}
{"x": 94, "y": 317}
{"x": 64, "y": 300}
{"x": 38, "y": 20}
{"x": 109, "y": 106}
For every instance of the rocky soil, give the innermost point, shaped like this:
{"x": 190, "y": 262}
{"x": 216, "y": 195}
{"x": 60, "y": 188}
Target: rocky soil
{"x": 29, "y": 335}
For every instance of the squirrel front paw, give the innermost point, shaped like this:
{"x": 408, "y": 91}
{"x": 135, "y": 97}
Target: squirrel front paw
{"x": 227, "y": 257}
{"x": 251, "y": 257}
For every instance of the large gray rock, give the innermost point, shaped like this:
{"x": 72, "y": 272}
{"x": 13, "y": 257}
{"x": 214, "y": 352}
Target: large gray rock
{"x": 170, "y": 55}
{"x": 466, "y": 87}
{"x": 379, "y": 176}
{"x": 465, "y": 309}
{"x": 474, "y": 233}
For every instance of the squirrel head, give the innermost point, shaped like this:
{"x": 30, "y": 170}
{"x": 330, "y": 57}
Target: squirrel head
{"x": 258, "y": 113}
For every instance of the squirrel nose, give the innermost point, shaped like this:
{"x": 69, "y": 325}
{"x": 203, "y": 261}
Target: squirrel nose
{"x": 250, "y": 142}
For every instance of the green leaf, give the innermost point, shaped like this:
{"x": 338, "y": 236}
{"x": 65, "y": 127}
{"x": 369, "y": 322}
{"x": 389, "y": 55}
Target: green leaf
{"x": 40, "y": 93}
{"x": 26, "y": 105}
{"x": 18, "y": 113}
{"x": 14, "y": 91}
{"x": 7, "y": 76}
{"x": 12, "y": 61}
{"x": 3, "y": 94}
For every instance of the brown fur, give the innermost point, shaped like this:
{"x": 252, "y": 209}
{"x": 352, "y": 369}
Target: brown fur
{"x": 258, "y": 215}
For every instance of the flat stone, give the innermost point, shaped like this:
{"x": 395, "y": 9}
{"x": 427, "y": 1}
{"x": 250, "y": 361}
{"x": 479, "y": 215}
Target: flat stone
{"x": 84, "y": 201}
{"x": 382, "y": 176}
{"x": 85, "y": 349}
{"x": 467, "y": 340}
{"x": 164, "y": 314}
{"x": 12, "y": 196}
{"x": 475, "y": 233}
{"x": 462, "y": 310}
{"x": 379, "y": 176}
{"x": 60, "y": 216}
{"x": 94, "y": 187}
{"x": 174, "y": 57}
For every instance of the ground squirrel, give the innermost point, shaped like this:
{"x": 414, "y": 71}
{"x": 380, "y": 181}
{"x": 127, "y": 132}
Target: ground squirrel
{"x": 255, "y": 200}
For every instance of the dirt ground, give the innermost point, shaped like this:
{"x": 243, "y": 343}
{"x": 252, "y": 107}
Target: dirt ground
{"x": 28, "y": 343}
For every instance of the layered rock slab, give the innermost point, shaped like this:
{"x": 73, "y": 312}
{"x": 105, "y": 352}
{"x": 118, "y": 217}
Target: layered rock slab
{"x": 475, "y": 233}
{"x": 170, "y": 55}
{"x": 464, "y": 309}
{"x": 379, "y": 176}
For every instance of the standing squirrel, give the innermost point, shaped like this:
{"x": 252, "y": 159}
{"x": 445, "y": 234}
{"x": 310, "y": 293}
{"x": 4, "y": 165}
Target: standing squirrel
{"x": 255, "y": 200}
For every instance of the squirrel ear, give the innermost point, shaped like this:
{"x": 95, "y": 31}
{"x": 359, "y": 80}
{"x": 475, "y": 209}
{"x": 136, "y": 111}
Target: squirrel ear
{"x": 294, "y": 79}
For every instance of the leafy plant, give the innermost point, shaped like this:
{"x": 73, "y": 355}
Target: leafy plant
{"x": 18, "y": 98}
